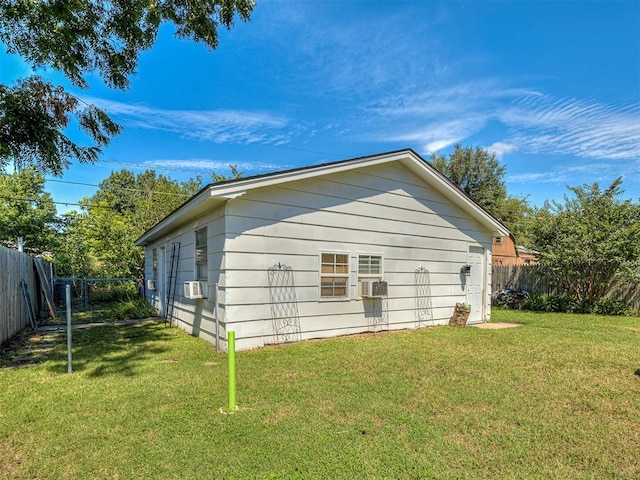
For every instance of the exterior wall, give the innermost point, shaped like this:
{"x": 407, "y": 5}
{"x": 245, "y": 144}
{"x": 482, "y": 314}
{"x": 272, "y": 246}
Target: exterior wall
{"x": 506, "y": 253}
{"x": 196, "y": 316}
{"x": 382, "y": 210}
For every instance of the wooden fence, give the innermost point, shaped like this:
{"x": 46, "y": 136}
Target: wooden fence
{"x": 528, "y": 277}
{"x": 14, "y": 267}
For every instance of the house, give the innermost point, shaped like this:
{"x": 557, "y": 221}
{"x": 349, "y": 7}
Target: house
{"x": 366, "y": 244}
{"x": 505, "y": 252}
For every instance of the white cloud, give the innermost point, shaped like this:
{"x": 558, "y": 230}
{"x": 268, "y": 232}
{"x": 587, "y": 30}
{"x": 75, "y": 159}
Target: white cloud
{"x": 574, "y": 127}
{"x": 546, "y": 177}
{"x": 536, "y": 123}
{"x": 500, "y": 148}
{"x": 219, "y": 126}
{"x": 208, "y": 165}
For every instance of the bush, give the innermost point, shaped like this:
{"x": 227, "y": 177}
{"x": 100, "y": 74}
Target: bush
{"x": 612, "y": 306}
{"x": 132, "y": 307}
{"x": 547, "y": 302}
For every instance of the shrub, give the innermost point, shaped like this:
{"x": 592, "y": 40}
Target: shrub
{"x": 612, "y": 306}
{"x": 115, "y": 292}
{"x": 547, "y": 302}
{"x": 132, "y": 307}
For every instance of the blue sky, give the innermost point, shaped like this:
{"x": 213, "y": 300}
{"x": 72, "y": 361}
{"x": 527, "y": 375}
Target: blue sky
{"x": 553, "y": 88}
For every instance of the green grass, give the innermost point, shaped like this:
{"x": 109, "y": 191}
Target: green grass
{"x": 554, "y": 399}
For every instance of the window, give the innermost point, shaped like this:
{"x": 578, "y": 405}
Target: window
{"x": 155, "y": 264}
{"x": 201, "y": 254}
{"x": 497, "y": 240}
{"x": 334, "y": 275}
{"x": 369, "y": 265}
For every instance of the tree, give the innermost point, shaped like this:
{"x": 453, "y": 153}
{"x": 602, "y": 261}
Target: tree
{"x": 235, "y": 174}
{"x": 589, "y": 241}
{"x": 77, "y": 37}
{"x": 478, "y": 173}
{"x": 33, "y": 115}
{"x": 100, "y": 240}
{"x": 27, "y": 211}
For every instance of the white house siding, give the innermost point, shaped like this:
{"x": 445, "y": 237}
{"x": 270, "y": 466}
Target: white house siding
{"x": 196, "y": 316}
{"x": 382, "y": 210}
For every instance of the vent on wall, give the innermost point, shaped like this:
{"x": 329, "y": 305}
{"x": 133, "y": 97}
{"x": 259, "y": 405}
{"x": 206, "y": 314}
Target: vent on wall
{"x": 151, "y": 284}
{"x": 195, "y": 289}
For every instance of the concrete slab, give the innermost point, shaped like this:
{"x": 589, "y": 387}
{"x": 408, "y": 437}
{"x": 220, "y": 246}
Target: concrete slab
{"x": 496, "y": 326}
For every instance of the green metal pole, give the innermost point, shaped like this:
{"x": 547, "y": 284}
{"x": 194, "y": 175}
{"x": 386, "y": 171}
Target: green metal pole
{"x": 231, "y": 359}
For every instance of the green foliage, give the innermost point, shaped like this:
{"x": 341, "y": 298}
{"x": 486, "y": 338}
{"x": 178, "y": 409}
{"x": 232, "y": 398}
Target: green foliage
{"x": 235, "y": 174}
{"x": 108, "y": 292}
{"x": 99, "y": 242}
{"x": 589, "y": 241}
{"x": 27, "y": 211}
{"x": 33, "y": 115}
{"x": 478, "y": 173}
{"x": 546, "y": 302}
{"x": 79, "y": 37}
{"x": 131, "y": 308}
{"x": 613, "y": 306}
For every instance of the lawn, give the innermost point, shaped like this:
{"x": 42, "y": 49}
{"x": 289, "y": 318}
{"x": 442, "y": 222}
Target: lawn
{"x": 555, "y": 398}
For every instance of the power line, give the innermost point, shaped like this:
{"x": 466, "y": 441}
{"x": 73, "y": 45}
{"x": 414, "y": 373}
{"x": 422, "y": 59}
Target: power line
{"x": 119, "y": 188}
{"x": 35, "y": 200}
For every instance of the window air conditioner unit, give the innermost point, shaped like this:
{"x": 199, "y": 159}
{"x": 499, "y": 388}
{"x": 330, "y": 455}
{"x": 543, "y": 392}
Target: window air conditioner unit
{"x": 195, "y": 289}
{"x": 151, "y": 284}
{"x": 373, "y": 288}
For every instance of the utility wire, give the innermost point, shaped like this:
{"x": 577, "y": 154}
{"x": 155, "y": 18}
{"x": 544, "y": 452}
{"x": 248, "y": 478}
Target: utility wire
{"x": 119, "y": 188}
{"x": 35, "y": 200}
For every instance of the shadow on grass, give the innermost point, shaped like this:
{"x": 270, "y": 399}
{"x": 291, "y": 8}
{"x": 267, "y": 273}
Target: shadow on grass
{"x": 112, "y": 350}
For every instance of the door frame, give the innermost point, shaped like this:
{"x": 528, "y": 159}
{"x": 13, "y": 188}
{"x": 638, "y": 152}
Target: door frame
{"x": 482, "y": 279}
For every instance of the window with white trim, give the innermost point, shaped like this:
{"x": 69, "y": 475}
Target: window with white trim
{"x": 369, "y": 266}
{"x": 201, "y": 254}
{"x": 154, "y": 262}
{"x": 334, "y": 275}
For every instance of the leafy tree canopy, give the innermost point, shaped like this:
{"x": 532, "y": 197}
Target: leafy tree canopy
{"x": 80, "y": 36}
{"x": 479, "y": 174}
{"x": 27, "y": 211}
{"x": 33, "y": 116}
{"x": 100, "y": 240}
{"x": 77, "y": 37}
{"x": 589, "y": 241}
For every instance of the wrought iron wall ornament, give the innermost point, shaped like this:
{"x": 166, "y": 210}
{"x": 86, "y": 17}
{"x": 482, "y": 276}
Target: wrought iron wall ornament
{"x": 284, "y": 304}
{"x": 378, "y": 317}
{"x": 424, "y": 310}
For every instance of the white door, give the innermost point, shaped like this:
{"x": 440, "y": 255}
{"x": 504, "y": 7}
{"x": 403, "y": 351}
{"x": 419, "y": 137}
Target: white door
{"x": 476, "y": 283}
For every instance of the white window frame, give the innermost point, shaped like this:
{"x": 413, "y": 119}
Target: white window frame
{"x": 199, "y": 246}
{"x": 154, "y": 264}
{"x": 346, "y": 276}
{"x": 370, "y": 275}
